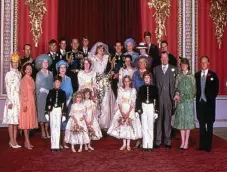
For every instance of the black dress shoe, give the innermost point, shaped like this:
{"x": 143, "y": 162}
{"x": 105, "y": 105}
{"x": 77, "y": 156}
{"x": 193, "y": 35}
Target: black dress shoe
{"x": 207, "y": 150}
{"x": 200, "y": 149}
{"x": 168, "y": 146}
{"x": 150, "y": 150}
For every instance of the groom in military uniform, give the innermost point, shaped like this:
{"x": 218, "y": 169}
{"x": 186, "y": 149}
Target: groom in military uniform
{"x": 116, "y": 62}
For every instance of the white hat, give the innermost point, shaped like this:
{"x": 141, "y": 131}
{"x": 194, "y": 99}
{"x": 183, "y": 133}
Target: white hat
{"x": 142, "y": 45}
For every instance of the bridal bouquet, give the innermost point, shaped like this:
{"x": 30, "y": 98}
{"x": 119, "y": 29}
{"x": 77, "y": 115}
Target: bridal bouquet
{"x": 125, "y": 121}
{"x": 91, "y": 130}
{"x": 77, "y": 129}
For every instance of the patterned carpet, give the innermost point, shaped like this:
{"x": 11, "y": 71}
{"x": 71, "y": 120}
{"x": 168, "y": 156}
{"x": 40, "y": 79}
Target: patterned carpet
{"x": 107, "y": 157}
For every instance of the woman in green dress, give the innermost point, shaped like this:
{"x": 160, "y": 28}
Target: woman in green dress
{"x": 184, "y": 97}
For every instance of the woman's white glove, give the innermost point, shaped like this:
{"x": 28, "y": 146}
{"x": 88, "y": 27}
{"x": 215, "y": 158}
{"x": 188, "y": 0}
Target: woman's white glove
{"x": 43, "y": 90}
{"x": 47, "y": 117}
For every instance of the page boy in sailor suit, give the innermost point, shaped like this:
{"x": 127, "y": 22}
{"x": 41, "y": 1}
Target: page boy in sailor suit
{"x": 55, "y": 112}
{"x": 146, "y": 106}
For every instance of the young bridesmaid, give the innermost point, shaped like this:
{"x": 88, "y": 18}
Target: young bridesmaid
{"x": 76, "y": 131}
{"x": 92, "y": 123}
{"x": 125, "y": 124}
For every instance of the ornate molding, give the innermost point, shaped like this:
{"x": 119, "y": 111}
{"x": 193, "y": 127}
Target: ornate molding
{"x": 162, "y": 11}
{"x": 37, "y": 11}
{"x": 188, "y": 35}
{"x": 180, "y": 28}
{"x": 15, "y": 26}
{"x": 218, "y": 13}
{"x": 7, "y": 39}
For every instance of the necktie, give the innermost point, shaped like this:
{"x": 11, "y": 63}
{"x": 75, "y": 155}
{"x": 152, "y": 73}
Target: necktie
{"x": 164, "y": 69}
{"x": 63, "y": 52}
{"x": 203, "y": 83}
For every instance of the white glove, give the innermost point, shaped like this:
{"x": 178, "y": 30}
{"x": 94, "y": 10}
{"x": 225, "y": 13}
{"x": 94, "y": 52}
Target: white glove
{"x": 46, "y": 91}
{"x": 137, "y": 115}
{"x": 155, "y": 115}
{"x": 42, "y": 90}
{"x": 47, "y": 117}
{"x": 63, "y": 118}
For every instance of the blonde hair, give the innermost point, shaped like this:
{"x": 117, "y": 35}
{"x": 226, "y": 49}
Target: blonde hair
{"x": 77, "y": 94}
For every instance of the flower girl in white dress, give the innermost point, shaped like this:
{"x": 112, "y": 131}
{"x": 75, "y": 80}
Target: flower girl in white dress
{"x": 94, "y": 130}
{"x": 125, "y": 124}
{"x": 76, "y": 129}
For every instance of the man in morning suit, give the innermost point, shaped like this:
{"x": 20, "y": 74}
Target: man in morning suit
{"x": 85, "y": 49}
{"x": 207, "y": 86}
{"x": 172, "y": 58}
{"x": 54, "y": 56}
{"x": 164, "y": 79}
{"x": 62, "y": 49}
{"x": 152, "y": 49}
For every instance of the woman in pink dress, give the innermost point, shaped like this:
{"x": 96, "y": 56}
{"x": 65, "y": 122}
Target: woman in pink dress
{"x": 28, "y": 116}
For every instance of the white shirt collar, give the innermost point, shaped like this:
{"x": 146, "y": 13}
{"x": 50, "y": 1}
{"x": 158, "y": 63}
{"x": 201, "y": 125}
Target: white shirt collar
{"x": 167, "y": 65}
{"x": 62, "y": 51}
{"x": 202, "y": 71}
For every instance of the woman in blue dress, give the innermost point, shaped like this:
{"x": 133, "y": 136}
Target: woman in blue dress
{"x": 66, "y": 86}
{"x": 138, "y": 74}
{"x": 43, "y": 83}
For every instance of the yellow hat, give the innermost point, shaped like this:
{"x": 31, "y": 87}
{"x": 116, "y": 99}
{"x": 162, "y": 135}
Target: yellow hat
{"x": 15, "y": 58}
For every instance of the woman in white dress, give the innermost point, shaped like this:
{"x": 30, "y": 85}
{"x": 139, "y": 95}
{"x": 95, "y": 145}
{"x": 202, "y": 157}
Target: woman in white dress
{"x": 99, "y": 56}
{"x": 12, "y": 105}
{"x": 126, "y": 70}
{"x": 92, "y": 123}
{"x": 76, "y": 131}
{"x": 87, "y": 77}
{"x": 125, "y": 124}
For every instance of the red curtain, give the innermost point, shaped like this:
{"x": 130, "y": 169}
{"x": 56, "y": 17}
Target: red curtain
{"x": 148, "y": 24}
{"x": 207, "y": 44}
{"x": 49, "y": 27}
{"x": 100, "y": 20}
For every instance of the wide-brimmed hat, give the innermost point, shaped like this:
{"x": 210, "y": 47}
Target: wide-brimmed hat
{"x": 61, "y": 62}
{"x": 39, "y": 61}
{"x": 142, "y": 45}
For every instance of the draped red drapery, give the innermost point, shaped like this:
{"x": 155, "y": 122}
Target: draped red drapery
{"x": 49, "y": 27}
{"x": 109, "y": 21}
{"x": 100, "y": 20}
{"x": 207, "y": 44}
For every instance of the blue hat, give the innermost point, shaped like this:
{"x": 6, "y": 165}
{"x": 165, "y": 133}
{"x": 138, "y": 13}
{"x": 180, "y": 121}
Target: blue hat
{"x": 61, "y": 62}
{"x": 39, "y": 61}
{"x": 129, "y": 40}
